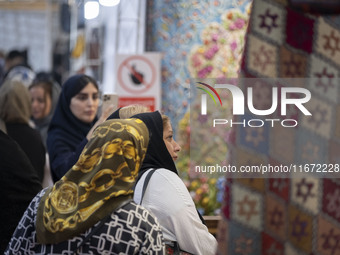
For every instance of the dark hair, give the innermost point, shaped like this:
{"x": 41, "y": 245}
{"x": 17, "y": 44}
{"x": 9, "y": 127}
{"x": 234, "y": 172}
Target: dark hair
{"x": 45, "y": 84}
{"x": 74, "y": 84}
{"x": 17, "y": 54}
{"x": 85, "y": 79}
{"x": 44, "y": 76}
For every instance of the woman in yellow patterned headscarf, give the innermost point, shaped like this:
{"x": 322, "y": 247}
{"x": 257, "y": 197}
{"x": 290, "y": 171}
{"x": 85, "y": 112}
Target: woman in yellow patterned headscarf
{"x": 98, "y": 187}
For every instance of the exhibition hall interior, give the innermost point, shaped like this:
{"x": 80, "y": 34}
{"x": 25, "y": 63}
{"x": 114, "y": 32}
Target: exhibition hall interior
{"x": 251, "y": 92}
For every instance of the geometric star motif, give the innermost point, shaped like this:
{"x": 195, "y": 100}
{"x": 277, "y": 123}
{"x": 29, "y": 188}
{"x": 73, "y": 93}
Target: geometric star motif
{"x": 332, "y": 43}
{"x": 333, "y": 205}
{"x": 332, "y": 242}
{"x": 293, "y": 67}
{"x": 298, "y": 228}
{"x": 263, "y": 57}
{"x": 243, "y": 245}
{"x": 322, "y": 77}
{"x": 247, "y": 208}
{"x": 276, "y": 218}
{"x": 268, "y": 21}
{"x": 304, "y": 189}
{"x": 262, "y": 96}
{"x": 254, "y": 135}
{"x": 319, "y": 117}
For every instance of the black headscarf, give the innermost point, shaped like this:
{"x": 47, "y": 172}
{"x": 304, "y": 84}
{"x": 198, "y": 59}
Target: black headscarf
{"x": 64, "y": 122}
{"x": 157, "y": 155}
{"x": 64, "y": 126}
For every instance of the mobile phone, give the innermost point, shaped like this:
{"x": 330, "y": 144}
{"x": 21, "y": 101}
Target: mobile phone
{"x": 110, "y": 99}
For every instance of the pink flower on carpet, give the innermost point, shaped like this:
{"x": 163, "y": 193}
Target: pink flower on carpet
{"x": 239, "y": 23}
{"x": 204, "y": 72}
{"x": 214, "y": 37}
{"x": 210, "y": 53}
{"x": 233, "y": 45}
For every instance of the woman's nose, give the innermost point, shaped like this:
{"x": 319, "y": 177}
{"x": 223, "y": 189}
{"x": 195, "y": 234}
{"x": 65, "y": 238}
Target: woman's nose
{"x": 177, "y": 147}
{"x": 90, "y": 101}
{"x": 34, "y": 103}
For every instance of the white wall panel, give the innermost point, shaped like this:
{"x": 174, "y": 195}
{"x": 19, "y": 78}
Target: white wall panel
{"x": 31, "y": 29}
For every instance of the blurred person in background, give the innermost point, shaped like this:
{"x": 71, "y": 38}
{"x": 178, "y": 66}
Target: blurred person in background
{"x": 73, "y": 122}
{"x": 15, "y": 114}
{"x": 44, "y": 94}
{"x": 16, "y": 67}
{"x": 19, "y": 184}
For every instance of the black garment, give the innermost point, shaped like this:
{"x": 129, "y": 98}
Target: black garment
{"x": 19, "y": 183}
{"x": 31, "y": 143}
{"x": 157, "y": 155}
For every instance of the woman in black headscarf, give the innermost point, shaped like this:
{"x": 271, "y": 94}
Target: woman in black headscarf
{"x": 73, "y": 121}
{"x": 90, "y": 210}
{"x": 165, "y": 195}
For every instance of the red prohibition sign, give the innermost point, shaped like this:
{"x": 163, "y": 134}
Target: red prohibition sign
{"x": 126, "y": 64}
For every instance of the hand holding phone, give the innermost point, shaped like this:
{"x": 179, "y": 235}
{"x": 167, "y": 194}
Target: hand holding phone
{"x": 110, "y": 99}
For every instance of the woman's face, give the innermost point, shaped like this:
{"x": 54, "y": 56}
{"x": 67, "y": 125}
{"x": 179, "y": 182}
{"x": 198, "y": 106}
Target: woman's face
{"x": 84, "y": 105}
{"x": 41, "y": 102}
{"x": 169, "y": 141}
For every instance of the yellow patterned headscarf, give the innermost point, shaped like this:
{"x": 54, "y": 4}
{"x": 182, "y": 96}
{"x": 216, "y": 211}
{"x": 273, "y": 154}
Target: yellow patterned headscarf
{"x": 97, "y": 184}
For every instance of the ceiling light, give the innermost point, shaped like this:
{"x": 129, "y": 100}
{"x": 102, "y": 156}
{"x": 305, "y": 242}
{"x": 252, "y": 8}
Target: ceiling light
{"x": 91, "y": 9}
{"x": 109, "y": 2}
